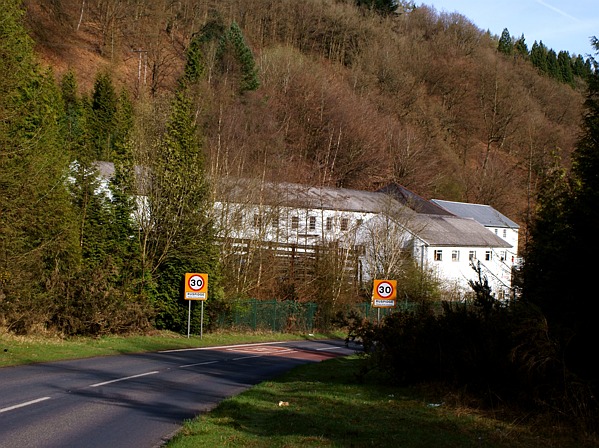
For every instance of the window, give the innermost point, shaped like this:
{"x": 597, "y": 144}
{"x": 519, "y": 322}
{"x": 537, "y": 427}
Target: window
{"x": 275, "y": 221}
{"x": 359, "y": 222}
{"x": 329, "y": 223}
{"x": 496, "y": 231}
{"x": 294, "y": 222}
{"x": 312, "y": 222}
{"x": 488, "y": 255}
{"x": 237, "y": 220}
{"x": 438, "y": 255}
{"x": 257, "y": 220}
{"x": 503, "y": 255}
{"x": 344, "y": 223}
{"x": 505, "y": 233}
{"x": 455, "y": 255}
{"x": 472, "y": 255}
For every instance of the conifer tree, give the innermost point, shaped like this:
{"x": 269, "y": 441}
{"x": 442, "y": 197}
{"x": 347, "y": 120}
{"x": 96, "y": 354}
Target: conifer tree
{"x": 103, "y": 109}
{"x": 505, "y": 45}
{"x": 236, "y": 57}
{"x": 35, "y": 217}
{"x": 558, "y": 272}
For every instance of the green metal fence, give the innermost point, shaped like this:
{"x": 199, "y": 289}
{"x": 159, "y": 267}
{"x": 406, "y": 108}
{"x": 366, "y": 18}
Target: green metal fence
{"x": 270, "y": 315}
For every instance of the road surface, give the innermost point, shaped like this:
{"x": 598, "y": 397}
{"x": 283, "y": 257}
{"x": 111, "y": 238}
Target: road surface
{"x": 136, "y": 400}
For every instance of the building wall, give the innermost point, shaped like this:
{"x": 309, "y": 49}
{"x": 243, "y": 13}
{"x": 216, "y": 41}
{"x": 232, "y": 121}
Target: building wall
{"x": 289, "y": 225}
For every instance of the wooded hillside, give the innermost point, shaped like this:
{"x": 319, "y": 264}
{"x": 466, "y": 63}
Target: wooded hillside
{"x": 347, "y": 97}
{"x": 318, "y": 92}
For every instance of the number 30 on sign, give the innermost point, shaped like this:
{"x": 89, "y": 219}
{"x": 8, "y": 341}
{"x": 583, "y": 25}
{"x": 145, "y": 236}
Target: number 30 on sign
{"x": 196, "y": 286}
{"x": 384, "y": 293}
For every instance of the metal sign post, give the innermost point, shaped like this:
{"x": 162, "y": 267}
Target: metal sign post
{"x": 196, "y": 288}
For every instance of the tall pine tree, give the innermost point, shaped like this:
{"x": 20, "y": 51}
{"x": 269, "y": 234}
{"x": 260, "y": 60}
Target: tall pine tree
{"x": 559, "y": 272}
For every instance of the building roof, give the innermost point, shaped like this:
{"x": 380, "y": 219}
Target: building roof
{"x": 484, "y": 214}
{"x": 435, "y": 229}
{"x": 444, "y": 230}
{"x": 412, "y": 200}
{"x": 254, "y": 191}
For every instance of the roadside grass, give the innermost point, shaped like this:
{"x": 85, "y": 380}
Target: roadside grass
{"x": 323, "y": 405}
{"x": 18, "y": 350}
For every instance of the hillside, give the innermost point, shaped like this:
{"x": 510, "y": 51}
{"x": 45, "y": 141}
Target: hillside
{"x": 347, "y": 98}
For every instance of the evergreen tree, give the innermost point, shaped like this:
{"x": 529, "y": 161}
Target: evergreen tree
{"x": 538, "y": 56}
{"x": 36, "y": 238}
{"x": 181, "y": 237}
{"x": 506, "y": 44}
{"x": 552, "y": 67}
{"x": 557, "y": 272}
{"x": 236, "y": 57}
{"x": 103, "y": 109}
{"x": 564, "y": 64}
{"x": 74, "y": 123}
{"x": 521, "y": 48}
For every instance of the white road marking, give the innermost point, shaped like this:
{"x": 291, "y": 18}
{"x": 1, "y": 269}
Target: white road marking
{"x": 218, "y": 347}
{"x": 124, "y": 378}
{"x": 17, "y": 406}
{"x": 198, "y": 364}
{"x": 329, "y": 348}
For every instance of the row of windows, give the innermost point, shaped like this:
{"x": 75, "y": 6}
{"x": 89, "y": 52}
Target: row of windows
{"x": 295, "y": 222}
{"x": 504, "y": 232}
{"x": 455, "y": 255}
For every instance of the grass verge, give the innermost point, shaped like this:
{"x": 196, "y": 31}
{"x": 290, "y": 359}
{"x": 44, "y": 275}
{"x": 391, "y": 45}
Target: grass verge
{"x": 18, "y": 350}
{"x": 322, "y": 405}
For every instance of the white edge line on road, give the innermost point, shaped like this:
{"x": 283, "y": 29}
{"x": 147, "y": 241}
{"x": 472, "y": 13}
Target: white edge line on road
{"x": 17, "y": 406}
{"x": 219, "y": 347}
{"x": 124, "y": 379}
{"x": 247, "y": 357}
{"x": 329, "y": 348}
{"x": 198, "y": 364}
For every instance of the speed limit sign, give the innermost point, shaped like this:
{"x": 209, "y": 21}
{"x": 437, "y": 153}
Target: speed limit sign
{"x": 196, "y": 286}
{"x": 384, "y": 293}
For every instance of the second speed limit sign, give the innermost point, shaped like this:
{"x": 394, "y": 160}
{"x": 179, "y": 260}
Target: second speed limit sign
{"x": 384, "y": 293}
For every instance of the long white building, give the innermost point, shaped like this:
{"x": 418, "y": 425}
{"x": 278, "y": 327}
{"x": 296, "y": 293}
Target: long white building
{"x": 379, "y": 224}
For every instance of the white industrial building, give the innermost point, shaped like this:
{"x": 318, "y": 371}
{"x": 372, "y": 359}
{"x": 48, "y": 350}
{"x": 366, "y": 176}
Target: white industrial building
{"x": 293, "y": 217}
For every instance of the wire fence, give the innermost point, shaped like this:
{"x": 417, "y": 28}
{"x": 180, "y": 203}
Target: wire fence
{"x": 291, "y": 316}
{"x": 270, "y": 315}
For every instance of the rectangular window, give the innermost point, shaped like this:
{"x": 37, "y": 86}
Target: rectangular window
{"x": 488, "y": 255}
{"x": 503, "y": 255}
{"x": 359, "y": 222}
{"x": 496, "y": 232}
{"x": 472, "y": 255}
{"x": 505, "y": 233}
{"x": 275, "y": 221}
{"x": 438, "y": 255}
{"x": 344, "y": 223}
{"x": 329, "y": 223}
{"x": 294, "y": 222}
{"x": 312, "y": 222}
{"x": 455, "y": 255}
{"x": 237, "y": 219}
{"x": 257, "y": 220}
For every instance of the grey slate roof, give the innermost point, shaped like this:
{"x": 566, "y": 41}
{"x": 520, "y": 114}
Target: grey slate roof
{"x": 484, "y": 214}
{"x": 412, "y": 200}
{"x": 252, "y": 191}
{"x": 442, "y": 229}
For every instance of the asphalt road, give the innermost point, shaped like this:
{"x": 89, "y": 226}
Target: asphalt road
{"x": 136, "y": 400}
